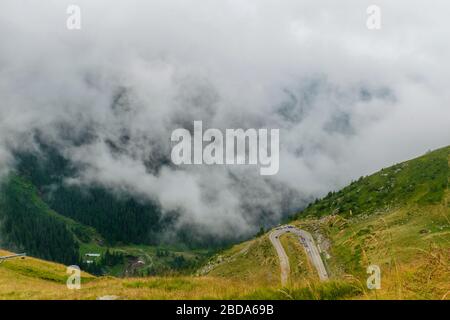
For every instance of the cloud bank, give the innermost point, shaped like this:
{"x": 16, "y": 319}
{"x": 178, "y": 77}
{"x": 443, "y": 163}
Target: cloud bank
{"x": 347, "y": 100}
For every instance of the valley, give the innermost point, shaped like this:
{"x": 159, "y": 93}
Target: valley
{"x": 397, "y": 219}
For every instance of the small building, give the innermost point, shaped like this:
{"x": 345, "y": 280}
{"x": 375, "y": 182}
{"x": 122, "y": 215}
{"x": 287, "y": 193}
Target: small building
{"x": 92, "y": 255}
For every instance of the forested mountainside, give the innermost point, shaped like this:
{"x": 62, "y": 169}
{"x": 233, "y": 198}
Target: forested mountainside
{"x": 50, "y": 219}
{"x": 27, "y": 223}
{"x": 117, "y": 218}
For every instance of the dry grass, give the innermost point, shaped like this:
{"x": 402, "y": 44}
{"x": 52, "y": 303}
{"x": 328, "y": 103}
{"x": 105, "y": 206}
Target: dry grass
{"x": 254, "y": 262}
{"x": 303, "y": 272}
{"x": 32, "y": 278}
{"x": 410, "y": 244}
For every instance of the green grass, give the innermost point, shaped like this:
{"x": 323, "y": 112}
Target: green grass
{"x": 398, "y": 218}
{"x": 38, "y": 269}
{"x": 422, "y": 181}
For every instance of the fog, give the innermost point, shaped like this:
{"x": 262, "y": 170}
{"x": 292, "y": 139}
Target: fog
{"x": 347, "y": 100}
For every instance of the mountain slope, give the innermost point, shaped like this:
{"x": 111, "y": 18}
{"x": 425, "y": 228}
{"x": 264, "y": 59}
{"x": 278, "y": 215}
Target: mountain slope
{"x": 32, "y": 278}
{"x": 421, "y": 181}
{"x": 117, "y": 218}
{"x": 44, "y": 216}
{"x": 27, "y": 223}
{"x": 397, "y": 219}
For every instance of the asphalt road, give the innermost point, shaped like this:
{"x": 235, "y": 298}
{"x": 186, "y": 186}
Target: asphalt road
{"x": 309, "y": 245}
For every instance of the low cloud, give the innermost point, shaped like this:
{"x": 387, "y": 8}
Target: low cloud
{"x": 347, "y": 100}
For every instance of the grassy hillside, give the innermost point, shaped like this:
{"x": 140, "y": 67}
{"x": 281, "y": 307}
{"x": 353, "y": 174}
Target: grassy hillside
{"x": 32, "y": 278}
{"x": 422, "y": 181}
{"x": 398, "y": 219}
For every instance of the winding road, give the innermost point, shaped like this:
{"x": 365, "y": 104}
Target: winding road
{"x": 309, "y": 245}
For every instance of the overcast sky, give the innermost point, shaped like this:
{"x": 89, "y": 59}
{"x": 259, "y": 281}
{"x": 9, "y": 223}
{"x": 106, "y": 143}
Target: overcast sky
{"x": 347, "y": 100}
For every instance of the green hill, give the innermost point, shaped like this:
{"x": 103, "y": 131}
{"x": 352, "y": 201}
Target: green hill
{"x": 397, "y": 219}
{"x": 422, "y": 181}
